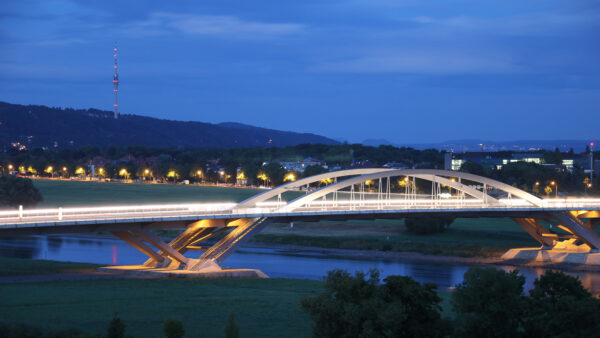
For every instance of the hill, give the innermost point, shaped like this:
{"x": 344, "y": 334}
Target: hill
{"x": 41, "y": 126}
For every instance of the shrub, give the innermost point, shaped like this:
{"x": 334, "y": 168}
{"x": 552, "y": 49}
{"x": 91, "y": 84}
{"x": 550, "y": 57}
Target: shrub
{"x": 116, "y": 328}
{"x": 231, "y": 329}
{"x": 173, "y": 328}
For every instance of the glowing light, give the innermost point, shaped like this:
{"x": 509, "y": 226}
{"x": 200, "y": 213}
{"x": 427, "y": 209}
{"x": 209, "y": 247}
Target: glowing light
{"x": 123, "y": 172}
{"x": 326, "y": 181}
{"x": 172, "y": 174}
{"x": 10, "y": 167}
{"x": 262, "y": 176}
{"x": 49, "y": 169}
{"x": 146, "y": 171}
{"x": 289, "y": 177}
{"x": 64, "y": 168}
{"x": 80, "y": 171}
{"x": 241, "y": 176}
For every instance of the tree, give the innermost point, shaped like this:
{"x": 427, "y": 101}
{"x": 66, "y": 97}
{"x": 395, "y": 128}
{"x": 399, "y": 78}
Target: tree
{"x": 313, "y": 170}
{"x": 472, "y": 167}
{"x": 427, "y": 225}
{"x": 173, "y": 328}
{"x": 489, "y": 303}
{"x": 560, "y": 306}
{"x": 361, "y": 306}
{"x": 231, "y": 329}
{"x": 116, "y": 328}
{"x": 15, "y": 191}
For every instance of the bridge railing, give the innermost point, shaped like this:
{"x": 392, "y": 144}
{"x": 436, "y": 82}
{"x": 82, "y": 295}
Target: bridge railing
{"x": 264, "y": 209}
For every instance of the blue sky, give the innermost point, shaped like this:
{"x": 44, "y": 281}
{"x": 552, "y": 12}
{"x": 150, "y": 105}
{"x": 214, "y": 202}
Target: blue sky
{"x": 405, "y": 71}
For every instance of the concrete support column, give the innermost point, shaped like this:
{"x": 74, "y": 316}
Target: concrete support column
{"x": 136, "y": 243}
{"x": 578, "y": 228}
{"x": 159, "y": 243}
{"x": 537, "y": 231}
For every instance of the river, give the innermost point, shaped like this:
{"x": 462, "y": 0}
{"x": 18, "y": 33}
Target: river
{"x": 275, "y": 263}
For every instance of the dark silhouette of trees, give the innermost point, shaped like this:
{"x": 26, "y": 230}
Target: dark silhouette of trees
{"x": 15, "y": 191}
{"x": 361, "y": 306}
{"x": 489, "y": 303}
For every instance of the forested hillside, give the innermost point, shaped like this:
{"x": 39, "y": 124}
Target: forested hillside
{"x": 41, "y": 126}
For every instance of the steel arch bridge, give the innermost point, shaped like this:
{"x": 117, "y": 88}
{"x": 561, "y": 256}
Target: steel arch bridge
{"x": 346, "y": 194}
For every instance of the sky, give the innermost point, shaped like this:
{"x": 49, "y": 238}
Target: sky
{"x": 405, "y": 71}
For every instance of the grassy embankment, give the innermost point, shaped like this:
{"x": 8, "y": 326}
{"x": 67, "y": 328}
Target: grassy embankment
{"x": 465, "y": 237}
{"x": 19, "y": 266}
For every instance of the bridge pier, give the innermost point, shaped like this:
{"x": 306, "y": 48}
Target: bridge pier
{"x": 169, "y": 259}
{"x": 580, "y": 246}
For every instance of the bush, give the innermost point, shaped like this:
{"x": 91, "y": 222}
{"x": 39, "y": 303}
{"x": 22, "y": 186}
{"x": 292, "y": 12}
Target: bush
{"x": 116, "y": 328}
{"x": 427, "y": 225}
{"x": 15, "y": 191}
{"x": 360, "y": 306}
{"x": 231, "y": 329}
{"x": 173, "y": 328}
{"x": 13, "y": 330}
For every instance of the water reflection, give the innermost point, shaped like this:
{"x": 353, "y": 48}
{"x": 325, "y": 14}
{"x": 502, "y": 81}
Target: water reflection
{"x": 275, "y": 263}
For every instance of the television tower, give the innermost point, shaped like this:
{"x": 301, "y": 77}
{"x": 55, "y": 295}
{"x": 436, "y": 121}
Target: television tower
{"x": 116, "y": 85}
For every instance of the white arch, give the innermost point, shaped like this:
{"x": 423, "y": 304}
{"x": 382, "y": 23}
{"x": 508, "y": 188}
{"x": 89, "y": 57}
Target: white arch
{"x": 251, "y": 202}
{"x": 428, "y": 174}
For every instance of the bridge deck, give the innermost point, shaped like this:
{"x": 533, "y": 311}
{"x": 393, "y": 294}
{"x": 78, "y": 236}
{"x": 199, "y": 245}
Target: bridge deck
{"x": 36, "y": 218}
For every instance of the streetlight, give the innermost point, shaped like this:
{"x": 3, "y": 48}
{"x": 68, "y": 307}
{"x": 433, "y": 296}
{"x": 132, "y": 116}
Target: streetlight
{"x": 553, "y": 183}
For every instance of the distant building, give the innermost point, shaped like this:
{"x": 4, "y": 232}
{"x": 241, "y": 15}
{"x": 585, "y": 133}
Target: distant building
{"x": 496, "y": 160}
{"x": 300, "y": 166}
{"x": 395, "y": 165}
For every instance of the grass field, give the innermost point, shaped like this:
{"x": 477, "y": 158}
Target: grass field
{"x": 262, "y": 307}
{"x": 18, "y": 266}
{"x": 466, "y": 237}
{"x": 74, "y": 193}
{"x": 481, "y": 237}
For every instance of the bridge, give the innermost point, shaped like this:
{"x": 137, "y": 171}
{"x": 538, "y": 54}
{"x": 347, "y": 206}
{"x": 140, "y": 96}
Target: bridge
{"x": 341, "y": 195}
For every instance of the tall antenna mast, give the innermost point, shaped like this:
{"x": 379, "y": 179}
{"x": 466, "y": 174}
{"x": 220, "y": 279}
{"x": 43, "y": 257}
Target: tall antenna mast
{"x": 116, "y": 85}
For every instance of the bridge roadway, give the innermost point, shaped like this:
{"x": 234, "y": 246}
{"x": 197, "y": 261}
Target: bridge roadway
{"x": 392, "y": 194}
{"x": 68, "y": 217}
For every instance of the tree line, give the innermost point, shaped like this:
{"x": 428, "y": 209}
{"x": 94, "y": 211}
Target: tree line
{"x": 261, "y": 166}
{"x": 488, "y": 303}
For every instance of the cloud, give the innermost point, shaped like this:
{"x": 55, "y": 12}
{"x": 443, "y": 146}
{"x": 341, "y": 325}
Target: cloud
{"x": 422, "y": 62}
{"x": 162, "y": 23}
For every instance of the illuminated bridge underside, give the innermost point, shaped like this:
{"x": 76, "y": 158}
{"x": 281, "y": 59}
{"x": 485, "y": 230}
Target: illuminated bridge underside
{"x": 342, "y": 195}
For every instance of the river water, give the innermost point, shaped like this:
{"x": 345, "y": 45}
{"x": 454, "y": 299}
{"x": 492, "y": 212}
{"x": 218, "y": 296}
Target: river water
{"x": 275, "y": 263}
